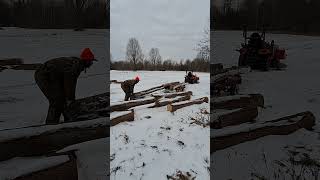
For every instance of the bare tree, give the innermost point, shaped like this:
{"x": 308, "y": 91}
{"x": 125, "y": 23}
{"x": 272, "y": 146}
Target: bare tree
{"x": 154, "y": 56}
{"x": 134, "y": 52}
{"x": 203, "y": 47}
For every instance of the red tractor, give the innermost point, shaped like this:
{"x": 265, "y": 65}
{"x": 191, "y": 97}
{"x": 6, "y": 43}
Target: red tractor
{"x": 259, "y": 54}
{"x": 191, "y": 78}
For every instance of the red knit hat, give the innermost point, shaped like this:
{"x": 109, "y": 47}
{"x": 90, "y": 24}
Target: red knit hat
{"x": 87, "y": 55}
{"x": 137, "y": 78}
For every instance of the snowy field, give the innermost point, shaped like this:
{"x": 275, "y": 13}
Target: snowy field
{"x": 288, "y": 92}
{"x": 163, "y": 143}
{"x": 22, "y": 103}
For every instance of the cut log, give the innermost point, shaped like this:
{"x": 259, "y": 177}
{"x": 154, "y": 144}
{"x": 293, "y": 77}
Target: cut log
{"x": 116, "y": 81}
{"x": 122, "y": 116}
{"x": 172, "y": 95}
{"x": 170, "y": 101}
{"x": 35, "y": 141}
{"x": 11, "y": 61}
{"x": 175, "y": 106}
{"x": 217, "y": 77}
{"x": 224, "y": 138}
{"x": 26, "y": 66}
{"x": 67, "y": 170}
{"x": 92, "y": 107}
{"x": 179, "y": 87}
{"x": 238, "y": 101}
{"x": 125, "y": 105}
{"x": 234, "y": 117}
{"x": 141, "y": 94}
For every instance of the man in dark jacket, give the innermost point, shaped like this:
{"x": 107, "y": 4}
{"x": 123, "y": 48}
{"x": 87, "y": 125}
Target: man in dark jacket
{"x": 128, "y": 87}
{"x": 57, "y": 79}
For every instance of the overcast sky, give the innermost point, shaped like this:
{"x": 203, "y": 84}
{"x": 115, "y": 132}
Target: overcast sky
{"x": 173, "y": 26}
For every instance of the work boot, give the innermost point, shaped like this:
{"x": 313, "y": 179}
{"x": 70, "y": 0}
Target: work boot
{"x": 53, "y": 116}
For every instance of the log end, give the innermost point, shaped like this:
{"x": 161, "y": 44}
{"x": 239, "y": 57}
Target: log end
{"x": 170, "y": 108}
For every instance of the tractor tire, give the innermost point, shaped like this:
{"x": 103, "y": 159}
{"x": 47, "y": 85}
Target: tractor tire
{"x": 241, "y": 61}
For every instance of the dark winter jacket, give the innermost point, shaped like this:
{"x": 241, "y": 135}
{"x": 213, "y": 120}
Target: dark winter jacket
{"x": 128, "y": 85}
{"x": 57, "y": 78}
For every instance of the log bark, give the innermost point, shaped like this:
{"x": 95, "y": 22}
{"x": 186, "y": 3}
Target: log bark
{"x": 170, "y": 101}
{"x": 67, "y": 170}
{"x": 26, "y": 66}
{"x": 141, "y": 94}
{"x": 173, "y": 95}
{"x": 179, "y": 87}
{"x": 50, "y": 138}
{"x": 92, "y": 107}
{"x": 236, "y": 117}
{"x": 175, "y": 106}
{"x": 129, "y": 104}
{"x": 129, "y": 116}
{"x": 221, "y": 139}
{"x": 11, "y": 61}
{"x": 238, "y": 101}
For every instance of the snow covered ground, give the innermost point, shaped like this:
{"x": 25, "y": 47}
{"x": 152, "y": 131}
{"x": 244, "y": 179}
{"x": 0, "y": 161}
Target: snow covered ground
{"x": 159, "y": 143}
{"x": 288, "y": 92}
{"x": 22, "y": 103}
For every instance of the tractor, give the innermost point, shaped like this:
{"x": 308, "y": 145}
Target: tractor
{"x": 191, "y": 78}
{"x": 259, "y": 54}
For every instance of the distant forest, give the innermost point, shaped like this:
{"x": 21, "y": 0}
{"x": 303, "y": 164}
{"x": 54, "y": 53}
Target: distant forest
{"x": 65, "y": 14}
{"x": 290, "y": 16}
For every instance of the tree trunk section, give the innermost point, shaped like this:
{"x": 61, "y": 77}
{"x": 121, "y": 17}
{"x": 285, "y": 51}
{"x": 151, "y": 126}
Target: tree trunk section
{"x": 55, "y": 138}
{"x": 220, "y": 139}
{"x": 237, "y": 117}
{"x": 176, "y": 106}
{"x": 129, "y": 116}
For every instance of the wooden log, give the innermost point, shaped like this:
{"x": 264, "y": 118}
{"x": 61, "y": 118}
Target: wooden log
{"x": 238, "y": 101}
{"x": 173, "y": 95}
{"x": 35, "y": 141}
{"x": 125, "y": 105}
{"x": 119, "y": 117}
{"x": 92, "y": 107}
{"x": 141, "y": 94}
{"x": 217, "y": 77}
{"x": 11, "y": 61}
{"x": 179, "y": 87}
{"x": 67, "y": 170}
{"x": 26, "y": 66}
{"x": 175, "y": 106}
{"x": 170, "y": 101}
{"x": 224, "y": 138}
{"x": 234, "y": 117}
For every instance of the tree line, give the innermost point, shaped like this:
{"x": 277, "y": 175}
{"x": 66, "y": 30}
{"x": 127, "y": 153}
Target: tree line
{"x": 76, "y": 14}
{"x": 136, "y": 60}
{"x": 298, "y": 16}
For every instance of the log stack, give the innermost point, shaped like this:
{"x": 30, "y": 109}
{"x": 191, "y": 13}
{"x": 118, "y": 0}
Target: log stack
{"x": 175, "y": 106}
{"x": 221, "y": 139}
{"x": 225, "y": 83}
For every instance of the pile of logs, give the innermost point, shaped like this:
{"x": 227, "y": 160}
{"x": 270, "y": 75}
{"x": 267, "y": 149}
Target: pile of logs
{"x": 233, "y": 121}
{"x": 225, "y": 82}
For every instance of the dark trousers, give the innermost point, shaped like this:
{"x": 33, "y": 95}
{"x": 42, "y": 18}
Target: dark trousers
{"x": 53, "y": 91}
{"x": 128, "y": 95}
